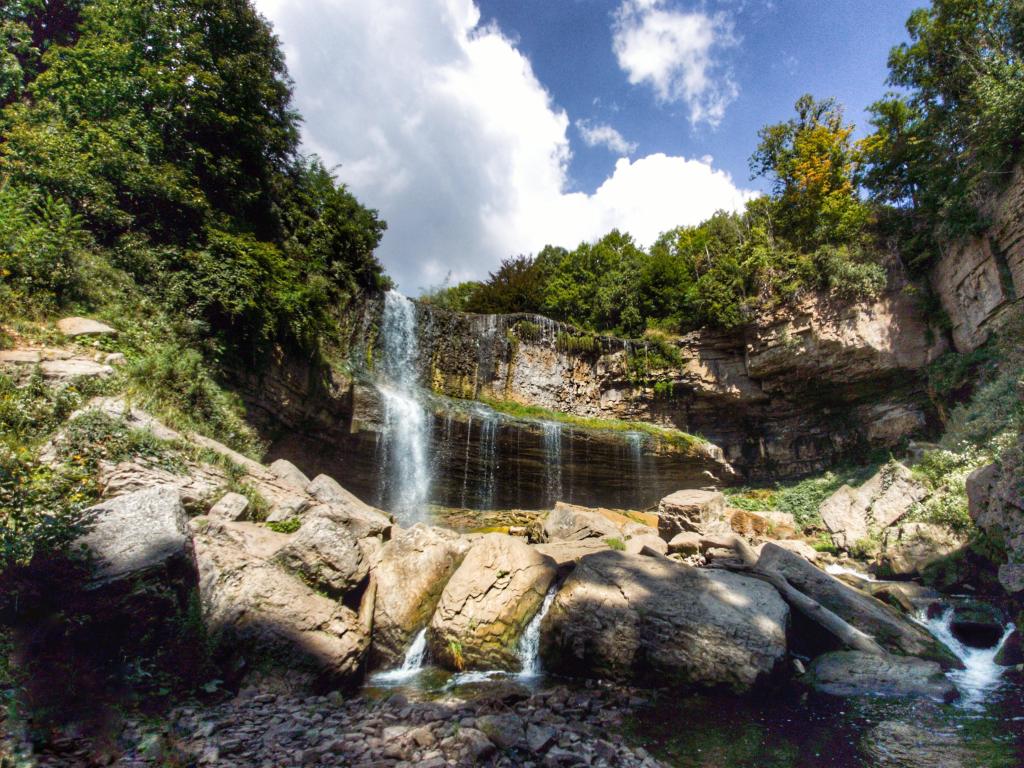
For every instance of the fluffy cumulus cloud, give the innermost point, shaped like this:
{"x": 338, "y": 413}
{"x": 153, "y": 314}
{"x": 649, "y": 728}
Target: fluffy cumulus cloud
{"x": 677, "y": 53}
{"x": 440, "y": 123}
{"x": 602, "y": 135}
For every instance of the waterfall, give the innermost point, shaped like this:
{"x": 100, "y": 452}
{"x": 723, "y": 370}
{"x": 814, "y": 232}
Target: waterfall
{"x": 411, "y": 665}
{"x": 406, "y": 475}
{"x": 529, "y": 644}
{"x": 552, "y": 462}
{"x": 980, "y": 675}
{"x": 488, "y": 460}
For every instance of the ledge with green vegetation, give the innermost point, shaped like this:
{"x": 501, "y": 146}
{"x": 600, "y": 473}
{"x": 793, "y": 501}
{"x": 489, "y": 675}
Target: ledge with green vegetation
{"x": 676, "y": 438}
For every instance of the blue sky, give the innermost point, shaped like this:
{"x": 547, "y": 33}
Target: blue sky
{"x": 481, "y": 129}
{"x": 784, "y": 49}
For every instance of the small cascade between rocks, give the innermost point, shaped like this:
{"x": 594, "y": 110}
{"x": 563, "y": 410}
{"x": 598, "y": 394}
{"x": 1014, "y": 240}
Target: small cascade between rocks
{"x": 411, "y": 665}
{"x": 405, "y": 475}
{"x": 529, "y": 644}
{"x": 981, "y": 675}
{"x": 552, "y": 462}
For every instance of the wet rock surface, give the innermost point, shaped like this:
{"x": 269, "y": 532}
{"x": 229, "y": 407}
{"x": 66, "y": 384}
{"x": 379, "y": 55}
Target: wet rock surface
{"x": 852, "y": 673}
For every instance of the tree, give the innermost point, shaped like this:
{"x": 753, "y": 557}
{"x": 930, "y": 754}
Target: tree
{"x": 812, "y": 162}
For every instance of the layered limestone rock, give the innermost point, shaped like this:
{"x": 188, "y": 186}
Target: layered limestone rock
{"x": 487, "y": 604}
{"x": 979, "y": 278}
{"x": 695, "y": 511}
{"x": 643, "y": 619}
{"x": 410, "y": 572}
{"x": 852, "y": 515}
{"x": 996, "y": 504}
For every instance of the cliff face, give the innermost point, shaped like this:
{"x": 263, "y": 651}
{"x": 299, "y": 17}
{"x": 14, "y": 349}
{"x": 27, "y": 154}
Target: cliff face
{"x": 789, "y": 395}
{"x": 979, "y": 278}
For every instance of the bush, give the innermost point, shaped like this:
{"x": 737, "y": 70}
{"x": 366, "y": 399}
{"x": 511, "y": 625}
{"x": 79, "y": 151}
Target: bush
{"x": 175, "y": 385}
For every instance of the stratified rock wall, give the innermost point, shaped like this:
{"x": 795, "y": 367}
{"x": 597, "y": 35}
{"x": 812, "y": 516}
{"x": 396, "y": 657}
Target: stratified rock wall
{"x": 978, "y": 278}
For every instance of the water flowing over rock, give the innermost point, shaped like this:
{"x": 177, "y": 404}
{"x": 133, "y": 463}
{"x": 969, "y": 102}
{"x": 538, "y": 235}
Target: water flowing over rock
{"x": 410, "y": 572}
{"x": 487, "y": 604}
{"x": 644, "y": 619}
{"x": 405, "y": 478}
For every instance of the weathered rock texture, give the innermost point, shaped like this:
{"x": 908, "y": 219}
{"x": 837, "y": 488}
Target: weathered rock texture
{"x": 695, "y": 511}
{"x": 410, "y": 572}
{"x": 854, "y": 514}
{"x": 487, "y": 604}
{"x": 889, "y": 629}
{"x": 852, "y": 673}
{"x": 326, "y": 555}
{"x": 908, "y": 548}
{"x": 996, "y": 504}
{"x": 979, "y": 278}
{"x": 646, "y": 619}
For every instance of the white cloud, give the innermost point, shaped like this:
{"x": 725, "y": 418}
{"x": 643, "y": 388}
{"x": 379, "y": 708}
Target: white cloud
{"x": 441, "y": 125}
{"x": 678, "y": 54}
{"x": 603, "y": 135}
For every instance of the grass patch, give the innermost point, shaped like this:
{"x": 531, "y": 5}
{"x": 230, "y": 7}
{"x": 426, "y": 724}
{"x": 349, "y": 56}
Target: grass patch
{"x": 681, "y": 440}
{"x": 800, "y": 498}
{"x": 615, "y": 543}
{"x": 291, "y": 525}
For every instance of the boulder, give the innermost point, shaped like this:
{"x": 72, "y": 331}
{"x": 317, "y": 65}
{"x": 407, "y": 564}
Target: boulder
{"x": 139, "y": 533}
{"x": 289, "y": 473}
{"x": 635, "y": 544}
{"x": 692, "y": 510}
{"x": 854, "y": 514}
{"x": 749, "y": 524}
{"x": 77, "y": 367}
{"x": 686, "y": 543}
{"x": 231, "y": 506}
{"x": 888, "y": 628}
{"x": 344, "y": 507}
{"x": 908, "y": 548}
{"x": 256, "y": 611}
{"x": 197, "y": 486}
{"x": 567, "y": 523}
{"x": 853, "y": 673}
{"x": 567, "y": 553}
{"x": 325, "y": 555}
{"x": 977, "y": 624}
{"x": 901, "y": 744}
{"x": 73, "y": 327}
{"x": 1011, "y": 652}
{"x": 505, "y": 730}
{"x": 487, "y": 604}
{"x": 781, "y": 525}
{"x": 799, "y": 547}
{"x": 650, "y": 620}
{"x": 410, "y": 572}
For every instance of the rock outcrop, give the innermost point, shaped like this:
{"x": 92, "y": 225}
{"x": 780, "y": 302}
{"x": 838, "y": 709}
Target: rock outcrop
{"x": 908, "y": 548}
{"x": 643, "y": 619}
{"x": 487, "y": 604}
{"x": 410, "y": 572}
{"x": 256, "y": 612}
{"x": 325, "y": 554}
{"x": 852, "y": 673}
{"x": 852, "y": 515}
{"x": 887, "y": 627}
{"x": 996, "y": 504}
{"x": 695, "y": 511}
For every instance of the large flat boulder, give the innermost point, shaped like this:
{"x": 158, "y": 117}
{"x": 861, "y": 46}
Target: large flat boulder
{"x": 692, "y": 510}
{"x": 73, "y": 327}
{"x": 487, "y": 604}
{"x": 854, "y": 514}
{"x": 326, "y": 555}
{"x": 650, "y": 620}
{"x": 345, "y": 507}
{"x": 569, "y": 523}
{"x": 257, "y": 613}
{"x": 410, "y": 572}
{"x": 853, "y": 673}
{"x": 889, "y": 629}
{"x": 138, "y": 533}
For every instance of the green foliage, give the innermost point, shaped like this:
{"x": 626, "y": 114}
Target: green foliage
{"x": 175, "y": 385}
{"x": 163, "y": 134}
{"x": 673, "y": 437}
{"x": 457, "y": 298}
{"x": 953, "y": 134}
{"x": 291, "y": 525}
{"x": 577, "y": 342}
{"x": 615, "y": 543}
{"x": 527, "y": 330}
{"x": 800, "y": 498}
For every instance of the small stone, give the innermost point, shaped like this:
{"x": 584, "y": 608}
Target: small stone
{"x": 539, "y": 737}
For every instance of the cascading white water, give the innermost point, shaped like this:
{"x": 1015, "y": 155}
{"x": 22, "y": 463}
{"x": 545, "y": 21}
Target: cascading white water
{"x": 529, "y": 644}
{"x": 980, "y": 675}
{"x": 553, "y": 462}
{"x": 406, "y": 474}
{"x": 834, "y": 569}
{"x": 488, "y": 459}
{"x": 412, "y": 663}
